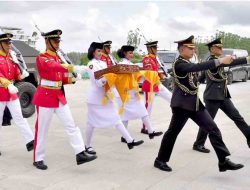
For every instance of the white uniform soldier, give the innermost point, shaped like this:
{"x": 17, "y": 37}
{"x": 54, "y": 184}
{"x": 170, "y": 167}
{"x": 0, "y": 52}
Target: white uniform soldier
{"x": 134, "y": 108}
{"x": 100, "y": 114}
{"x": 9, "y": 73}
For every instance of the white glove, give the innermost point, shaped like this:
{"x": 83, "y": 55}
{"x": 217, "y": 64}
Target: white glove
{"x": 101, "y": 82}
{"x": 79, "y": 69}
{"x": 12, "y": 89}
{"x": 24, "y": 74}
{"x": 161, "y": 87}
{"x": 14, "y": 56}
{"x": 78, "y": 77}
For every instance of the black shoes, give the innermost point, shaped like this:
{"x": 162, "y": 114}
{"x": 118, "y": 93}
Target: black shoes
{"x": 134, "y": 143}
{"x": 30, "y": 145}
{"x": 228, "y": 165}
{"x": 144, "y": 131}
{"x": 40, "y": 165}
{"x": 154, "y": 134}
{"x": 0, "y": 153}
{"x": 162, "y": 165}
{"x": 90, "y": 150}
{"x": 6, "y": 122}
{"x": 123, "y": 140}
{"x": 83, "y": 157}
{"x": 201, "y": 148}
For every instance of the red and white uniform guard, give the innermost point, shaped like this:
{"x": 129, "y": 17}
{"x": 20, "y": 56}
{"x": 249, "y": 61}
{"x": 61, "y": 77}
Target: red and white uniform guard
{"x": 9, "y": 72}
{"x": 49, "y": 99}
{"x": 150, "y": 63}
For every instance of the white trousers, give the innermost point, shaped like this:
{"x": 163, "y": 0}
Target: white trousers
{"x": 21, "y": 123}
{"x": 163, "y": 93}
{"x": 44, "y": 116}
{"x": 120, "y": 127}
{"x": 146, "y": 122}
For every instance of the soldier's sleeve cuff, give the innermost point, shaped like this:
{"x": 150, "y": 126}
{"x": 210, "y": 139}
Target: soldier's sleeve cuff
{"x": 68, "y": 67}
{"x": 217, "y": 63}
{"x": 5, "y": 82}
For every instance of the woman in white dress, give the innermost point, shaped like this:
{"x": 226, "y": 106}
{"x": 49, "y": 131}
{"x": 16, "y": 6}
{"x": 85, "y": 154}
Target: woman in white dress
{"x": 101, "y": 115}
{"x": 134, "y": 108}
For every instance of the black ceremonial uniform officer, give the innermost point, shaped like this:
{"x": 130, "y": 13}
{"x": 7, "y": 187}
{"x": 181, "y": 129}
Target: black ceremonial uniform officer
{"x": 186, "y": 104}
{"x": 216, "y": 95}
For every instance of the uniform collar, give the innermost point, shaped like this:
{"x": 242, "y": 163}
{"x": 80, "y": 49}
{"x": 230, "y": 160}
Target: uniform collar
{"x": 182, "y": 58}
{"x": 151, "y": 55}
{"x": 51, "y": 52}
{"x": 214, "y": 56}
{"x": 104, "y": 54}
{"x": 126, "y": 60}
{"x": 2, "y": 53}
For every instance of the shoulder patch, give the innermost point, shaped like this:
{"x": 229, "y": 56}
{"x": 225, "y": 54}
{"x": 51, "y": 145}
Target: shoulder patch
{"x": 91, "y": 66}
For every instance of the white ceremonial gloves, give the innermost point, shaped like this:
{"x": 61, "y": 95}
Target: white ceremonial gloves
{"x": 12, "y": 89}
{"x": 24, "y": 74}
{"x": 101, "y": 82}
{"x": 161, "y": 87}
{"x": 79, "y": 69}
{"x": 77, "y": 78}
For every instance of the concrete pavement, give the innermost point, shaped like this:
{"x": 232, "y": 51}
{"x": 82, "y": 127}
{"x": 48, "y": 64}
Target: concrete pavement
{"x": 117, "y": 167}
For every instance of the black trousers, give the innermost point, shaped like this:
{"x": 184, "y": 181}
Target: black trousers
{"x": 228, "y": 108}
{"x": 6, "y": 116}
{"x": 203, "y": 120}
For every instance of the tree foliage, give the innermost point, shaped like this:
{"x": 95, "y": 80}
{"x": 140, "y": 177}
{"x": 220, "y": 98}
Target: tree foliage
{"x": 229, "y": 40}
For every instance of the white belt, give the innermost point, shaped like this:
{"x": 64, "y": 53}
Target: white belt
{"x": 51, "y": 83}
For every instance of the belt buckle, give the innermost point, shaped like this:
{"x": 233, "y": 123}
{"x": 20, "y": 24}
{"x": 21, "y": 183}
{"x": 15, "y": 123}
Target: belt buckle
{"x": 60, "y": 84}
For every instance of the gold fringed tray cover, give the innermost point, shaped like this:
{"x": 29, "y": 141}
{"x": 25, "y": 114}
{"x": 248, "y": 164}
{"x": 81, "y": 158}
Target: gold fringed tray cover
{"x": 117, "y": 69}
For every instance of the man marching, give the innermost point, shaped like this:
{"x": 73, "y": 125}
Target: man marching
{"x": 186, "y": 104}
{"x": 150, "y": 63}
{"x": 216, "y": 96}
{"x": 50, "y": 99}
{"x": 9, "y": 73}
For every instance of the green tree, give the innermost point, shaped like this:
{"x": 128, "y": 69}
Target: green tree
{"x": 229, "y": 40}
{"x": 76, "y": 57}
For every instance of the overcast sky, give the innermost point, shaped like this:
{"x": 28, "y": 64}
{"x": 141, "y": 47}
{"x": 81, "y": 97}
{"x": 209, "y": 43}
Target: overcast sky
{"x": 82, "y": 22}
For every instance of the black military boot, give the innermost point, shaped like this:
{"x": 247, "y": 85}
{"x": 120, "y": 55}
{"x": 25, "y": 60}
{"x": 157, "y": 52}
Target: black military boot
{"x": 154, "y": 134}
{"x": 162, "y": 165}
{"x": 83, "y": 157}
{"x": 134, "y": 143}
{"x": 40, "y": 165}
{"x": 228, "y": 165}
{"x": 201, "y": 148}
{"x": 30, "y": 145}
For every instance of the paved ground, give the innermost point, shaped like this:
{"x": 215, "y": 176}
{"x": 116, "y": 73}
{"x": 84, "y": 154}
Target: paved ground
{"x": 120, "y": 168}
